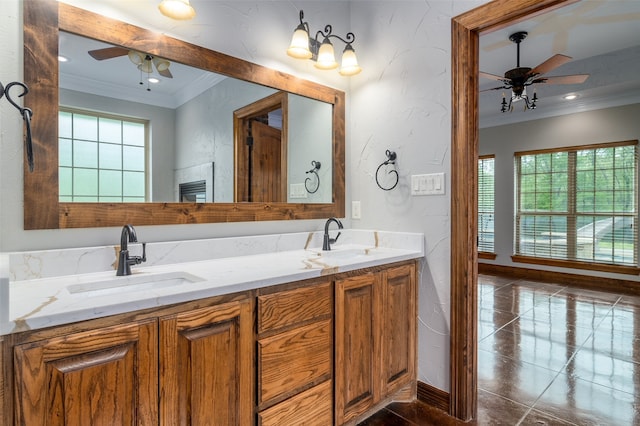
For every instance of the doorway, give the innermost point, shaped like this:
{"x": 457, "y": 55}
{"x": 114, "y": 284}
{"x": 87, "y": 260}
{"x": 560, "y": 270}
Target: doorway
{"x": 260, "y": 135}
{"x": 465, "y": 33}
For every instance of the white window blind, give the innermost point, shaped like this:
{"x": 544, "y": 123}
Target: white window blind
{"x": 486, "y": 201}
{"x": 578, "y": 203}
{"x": 101, "y": 158}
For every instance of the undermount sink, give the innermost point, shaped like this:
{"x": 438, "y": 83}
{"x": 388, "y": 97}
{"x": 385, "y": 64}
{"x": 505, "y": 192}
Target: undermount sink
{"x": 344, "y": 253}
{"x": 135, "y": 282}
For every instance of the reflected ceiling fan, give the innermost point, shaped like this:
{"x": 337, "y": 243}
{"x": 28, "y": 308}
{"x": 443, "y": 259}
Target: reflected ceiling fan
{"x": 517, "y": 79}
{"x": 143, "y": 61}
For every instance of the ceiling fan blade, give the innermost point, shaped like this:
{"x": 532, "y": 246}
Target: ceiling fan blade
{"x": 166, "y": 73}
{"x": 565, "y": 79}
{"x": 553, "y": 62}
{"x": 494, "y": 88}
{"x": 108, "y": 53}
{"x": 491, "y": 76}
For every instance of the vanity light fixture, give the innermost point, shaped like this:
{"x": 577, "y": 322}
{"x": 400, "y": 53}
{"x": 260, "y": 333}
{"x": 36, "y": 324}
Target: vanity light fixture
{"x": 304, "y": 47}
{"x": 177, "y": 9}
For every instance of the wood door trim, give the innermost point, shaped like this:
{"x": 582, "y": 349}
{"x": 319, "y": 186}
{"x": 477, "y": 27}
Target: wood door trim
{"x": 270, "y": 103}
{"x": 465, "y": 31}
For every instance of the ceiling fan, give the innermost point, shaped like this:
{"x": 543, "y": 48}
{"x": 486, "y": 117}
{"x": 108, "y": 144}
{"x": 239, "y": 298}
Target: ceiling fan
{"x": 143, "y": 61}
{"x": 517, "y": 79}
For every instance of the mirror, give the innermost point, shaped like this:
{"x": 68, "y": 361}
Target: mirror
{"x": 43, "y": 22}
{"x": 188, "y": 118}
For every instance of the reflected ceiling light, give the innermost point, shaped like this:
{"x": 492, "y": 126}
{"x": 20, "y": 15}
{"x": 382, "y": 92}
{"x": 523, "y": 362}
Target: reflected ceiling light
{"x": 153, "y": 80}
{"x": 62, "y": 58}
{"x": 304, "y": 47}
{"x": 177, "y": 9}
{"x": 570, "y": 97}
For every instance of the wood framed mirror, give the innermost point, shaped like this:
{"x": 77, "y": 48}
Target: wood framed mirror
{"x": 43, "y": 21}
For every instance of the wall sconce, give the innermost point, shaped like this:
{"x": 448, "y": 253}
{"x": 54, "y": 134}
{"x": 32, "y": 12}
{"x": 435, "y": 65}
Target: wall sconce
{"x": 177, "y": 9}
{"x": 304, "y": 47}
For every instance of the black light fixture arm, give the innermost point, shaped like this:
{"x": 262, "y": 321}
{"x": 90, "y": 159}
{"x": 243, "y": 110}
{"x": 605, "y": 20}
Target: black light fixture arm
{"x": 26, "y": 114}
{"x": 316, "y": 166}
{"x": 314, "y": 43}
{"x": 391, "y": 159}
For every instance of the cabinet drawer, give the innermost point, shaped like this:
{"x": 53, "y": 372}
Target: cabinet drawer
{"x": 312, "y": 407}
{"x": 291, "y": 361}
{"x": 286, "y": 308}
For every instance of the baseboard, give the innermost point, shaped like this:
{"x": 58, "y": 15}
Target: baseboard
{"x": 576, "y": 280}
{"x": 433, "y": 396}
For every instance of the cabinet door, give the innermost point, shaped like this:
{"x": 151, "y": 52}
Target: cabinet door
{"x": 206, "y": 366}
{"x": 357, "y": 345}
{"x": 101, "y": 377}
{"x": 398, "y": 328}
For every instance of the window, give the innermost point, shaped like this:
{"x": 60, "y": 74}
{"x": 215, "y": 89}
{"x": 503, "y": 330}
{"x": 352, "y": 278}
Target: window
{"x": 486, "y": 201}
{"x": 578, "y": 204}
{"x": 101, "y": 158}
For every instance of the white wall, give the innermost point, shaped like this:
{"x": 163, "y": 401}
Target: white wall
{"x": 599, "y": 126}
{"x": 401, "y": 102}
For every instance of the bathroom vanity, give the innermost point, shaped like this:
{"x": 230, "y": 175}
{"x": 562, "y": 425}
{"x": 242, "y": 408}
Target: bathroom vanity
{"x": 280, "y": 336}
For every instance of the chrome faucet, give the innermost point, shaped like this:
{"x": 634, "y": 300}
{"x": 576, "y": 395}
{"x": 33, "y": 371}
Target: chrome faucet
{"x": 326, "y": 245}
{"x": 124, "y": 260}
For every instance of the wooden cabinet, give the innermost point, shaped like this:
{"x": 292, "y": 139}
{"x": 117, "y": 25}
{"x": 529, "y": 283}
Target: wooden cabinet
{"x": 206, "y": 366}
{"x": 189, "y": 367}
{"x": 295, "y": 361}
{"x": 375, "y": 338}
{"x": 398, "y": 327}
{"x": 319, "y": 352}
{"x": 101, "y": 377}
{"x": 357, "y": 346}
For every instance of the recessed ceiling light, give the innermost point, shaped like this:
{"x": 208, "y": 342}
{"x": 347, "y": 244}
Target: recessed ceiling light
{"x": 570, "y": 97}
{"x": 62, "y": 58}
{"x": 153, "y": 80}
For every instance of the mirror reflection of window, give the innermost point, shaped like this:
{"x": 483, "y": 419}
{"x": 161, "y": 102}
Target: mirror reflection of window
{"x": 101, "y": 158}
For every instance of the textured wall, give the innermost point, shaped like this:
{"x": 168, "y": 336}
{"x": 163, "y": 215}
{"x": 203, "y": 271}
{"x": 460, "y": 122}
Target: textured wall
{"x": 402, "y": 102}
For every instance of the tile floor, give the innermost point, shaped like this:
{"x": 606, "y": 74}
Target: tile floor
{"x": 556, "y": 355}
{"x": 548, "y": 354}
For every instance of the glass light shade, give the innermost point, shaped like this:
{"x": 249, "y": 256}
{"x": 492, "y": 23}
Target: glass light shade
{"x": 299, "y": 47}
{"x": 326, "y": 56}
{"x": 161, "y": 64}
{"x": 349, "y": 62}
{"x": 146, "y": 67}
{"x": 177, "y": 9}
{"x": 136, "y": 57}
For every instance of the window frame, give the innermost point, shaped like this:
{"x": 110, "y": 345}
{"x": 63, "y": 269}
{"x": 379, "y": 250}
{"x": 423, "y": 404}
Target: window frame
{"x": 110, "y": 116}
{"x": 485, "y": 254}
{"x": 572, "y": 214}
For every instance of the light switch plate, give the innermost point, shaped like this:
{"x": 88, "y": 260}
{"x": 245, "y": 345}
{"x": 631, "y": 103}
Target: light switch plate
{"x": 297, "y": 190}
{"x": 356, "y": 212}
{"x": 429, "y": 184}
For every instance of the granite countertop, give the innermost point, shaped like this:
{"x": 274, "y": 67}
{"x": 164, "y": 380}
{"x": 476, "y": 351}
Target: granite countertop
{"x": 50, "y": 299}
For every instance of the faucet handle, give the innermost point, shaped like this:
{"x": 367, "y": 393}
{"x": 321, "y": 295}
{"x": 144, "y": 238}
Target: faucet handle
{"x": 334, "y": 240}
{"x": 136, "y": 260}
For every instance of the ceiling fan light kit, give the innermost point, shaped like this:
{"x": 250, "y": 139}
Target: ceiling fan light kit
{"x": 143, "y": 61}
{"x": 517, "y": 79}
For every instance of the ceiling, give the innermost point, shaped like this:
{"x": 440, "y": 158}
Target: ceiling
{"x": 602, "y": 37}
